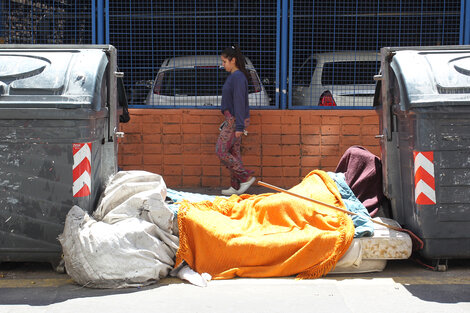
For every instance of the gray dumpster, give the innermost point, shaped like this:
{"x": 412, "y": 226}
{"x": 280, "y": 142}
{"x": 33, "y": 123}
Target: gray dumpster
{"x": 59, "y": 117}
{"x": 423, "y": 97}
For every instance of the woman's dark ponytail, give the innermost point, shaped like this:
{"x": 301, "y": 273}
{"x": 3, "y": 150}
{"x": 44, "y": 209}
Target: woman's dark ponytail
{"x": 235, "y": 52}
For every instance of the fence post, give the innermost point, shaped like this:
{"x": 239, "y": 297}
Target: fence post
{"x": 100, "y": 22}
{"x": 465, "y": 22}
{"x": 107, "y": 21}
{"x": 284, "y": 53}
{"x": 291, "y": 51}
{"x": 278, "y": 53}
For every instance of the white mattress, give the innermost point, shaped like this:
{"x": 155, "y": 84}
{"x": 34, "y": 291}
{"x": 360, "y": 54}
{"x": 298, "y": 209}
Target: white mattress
{"x": 370, "y": 254}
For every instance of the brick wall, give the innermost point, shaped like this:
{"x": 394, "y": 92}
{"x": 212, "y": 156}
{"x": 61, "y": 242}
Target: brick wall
{"x": 282, "y": 145}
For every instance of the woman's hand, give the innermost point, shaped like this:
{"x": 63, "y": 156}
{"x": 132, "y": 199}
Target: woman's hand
{"x": 238, "y": 134}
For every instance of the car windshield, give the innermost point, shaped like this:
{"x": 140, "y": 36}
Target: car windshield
{"x": 198, "y": 81}
{"x": 349, "y": 72}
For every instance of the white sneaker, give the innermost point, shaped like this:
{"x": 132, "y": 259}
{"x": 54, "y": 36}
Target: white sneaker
{"x": 230, "y": 191}
{"x": 244, "y": 186}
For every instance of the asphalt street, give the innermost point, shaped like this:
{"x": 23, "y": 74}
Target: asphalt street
{"x": 403, "y": 286}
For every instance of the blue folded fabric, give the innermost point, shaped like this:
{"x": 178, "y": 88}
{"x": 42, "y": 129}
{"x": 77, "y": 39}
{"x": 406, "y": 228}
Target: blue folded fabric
{"x": 177, "y": 196}
{"x": 364, "y": 227}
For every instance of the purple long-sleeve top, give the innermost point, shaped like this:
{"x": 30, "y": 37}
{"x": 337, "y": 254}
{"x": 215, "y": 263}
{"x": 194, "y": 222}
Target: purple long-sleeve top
{"x": 235, "y": 98}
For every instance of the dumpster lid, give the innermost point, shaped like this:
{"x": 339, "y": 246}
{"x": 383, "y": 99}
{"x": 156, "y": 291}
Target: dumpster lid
{"x": 25, "y": 73}
{"x": 52, "y": 77}
{"x": 434, "y": 77}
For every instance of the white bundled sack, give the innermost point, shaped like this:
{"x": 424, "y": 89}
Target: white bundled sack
{"x": 132, "y": 245}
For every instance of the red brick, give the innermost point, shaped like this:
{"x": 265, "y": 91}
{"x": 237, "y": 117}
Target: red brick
{"x": 191, "y": 148}
{"x": 330, "y": 120}
{"x": 255, "y": 119}
{"x": 290, "y": 161}
{"x": 209, "y": 138}
{"x": 173, "y": 160}
{"x": 191, "y": 119}
{"x": 290, "y": 150}
{"x": 310, "y": 161}
{"x": 310, "y": 150}
{"x": 210, "y": 181}
{"x": 151, "y": 129}
{"x": 289, "y": 182}
{"x": 131, "y": 127}
{"x": 305, "y": 171}
{"x": 330, "y": 129}
{"x": 172, "y": 118}
{"x": 191, "y": 159}
{"x": 370, "y": 130}
{"x": 172, "y": 170}
{"x": 171, "y": 139}
{"x": 190, "y": 181}
{"x": 310, "y": 129}
{"x": 252, "y": 139}
{"x": 131, "y": 148}
{"x": 192, "y": 139}
{"x": 270, "y": 129}
{"x": 271, "y": 119}
{"x": 152, "y": 159}
{"x": 310, "y": 139}
{"x": 135, "y": 159}
{"x": 290, "y": 171}
{"x": 150, "y": 119}
{"x": 271, "y": 139}
{"x": 151, "y": 138}
{"x": 157, "y": 169}
{"x": 211, "y": 170}
{"x": 290, "y": 119}
{"x": 212, "y": 120}
{"x": 132, "y": 138}
{"x": 251, "y": 149}
{"x": 329, "y": 151}
{"x": 251, "y": 160}
{"x": 209, "y": 159}
{"x": 209, "y": 129}
{"x": 152, "y": 148}
{"x": 206, "y": 148}
{"x": 272, "y": 160}
{"x": 366, "y": 120}
{"x": 330, "y": 140}
{"x": 290, "y": 139}
{"x": 290, "y": 129}
{"x": 350, "y": 140}
{"x": 173, "y": 181}
{"x": 191, "y": 128}
{"x": 272, "y": 150}
{"x": 354, "y": 120}
{"x": 272, "y": 171}
{"x": 309, "y": 118}
{"x": 350, "y": 129}
{"x": 171, "y": 129}
{"x": 254, "y": 130}
{"x": 172, "y": 149}
{"x": 330, "y": 161}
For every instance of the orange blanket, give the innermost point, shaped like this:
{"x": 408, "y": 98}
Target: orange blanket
{"x": 266, "y": 235}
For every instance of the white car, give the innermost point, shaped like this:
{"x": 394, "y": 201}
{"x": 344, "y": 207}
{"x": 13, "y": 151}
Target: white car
{"x": 344, "y": 78}
{"x": 197, "y": 81}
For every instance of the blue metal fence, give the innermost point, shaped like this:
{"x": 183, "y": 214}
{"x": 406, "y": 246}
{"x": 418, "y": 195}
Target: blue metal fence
{"x": 306, "y": 53}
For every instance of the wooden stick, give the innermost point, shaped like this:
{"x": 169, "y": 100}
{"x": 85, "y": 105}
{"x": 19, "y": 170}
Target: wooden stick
{"x": 323, "y": 203}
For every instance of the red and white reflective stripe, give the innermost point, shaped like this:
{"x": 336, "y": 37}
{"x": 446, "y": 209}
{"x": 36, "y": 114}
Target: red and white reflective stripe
{"x": 425, "y": 186}
{"x": 81, "y": 169}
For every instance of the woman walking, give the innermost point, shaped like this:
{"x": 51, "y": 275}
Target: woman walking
{"x": 236, "y": 110}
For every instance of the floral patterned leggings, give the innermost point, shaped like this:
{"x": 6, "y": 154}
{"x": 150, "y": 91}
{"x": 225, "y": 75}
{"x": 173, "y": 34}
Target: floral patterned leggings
{"x": 227, "y": 149}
